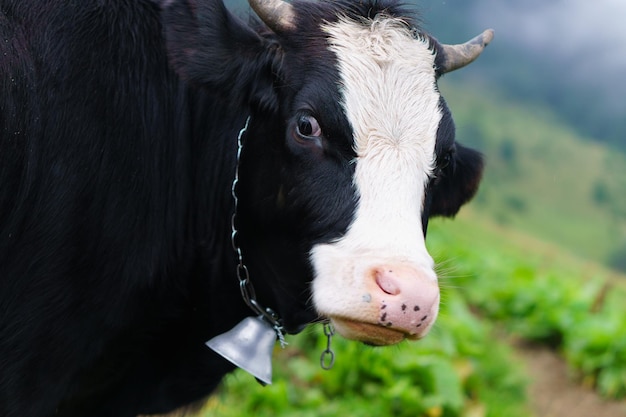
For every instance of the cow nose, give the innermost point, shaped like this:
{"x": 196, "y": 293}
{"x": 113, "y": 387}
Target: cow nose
{"x": 386, "y": 281}
{"x": 408, "y": 297}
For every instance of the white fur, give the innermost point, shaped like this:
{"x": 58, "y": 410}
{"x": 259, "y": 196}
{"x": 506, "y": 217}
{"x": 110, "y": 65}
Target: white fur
{"x": 391, "y": 101}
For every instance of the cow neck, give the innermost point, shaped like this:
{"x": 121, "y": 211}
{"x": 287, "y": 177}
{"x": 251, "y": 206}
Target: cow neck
{"x": 243, "y": 275}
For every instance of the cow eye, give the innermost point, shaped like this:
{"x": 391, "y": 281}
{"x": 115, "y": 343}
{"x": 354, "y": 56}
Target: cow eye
{"x": 307, "y": 133}
{"x": 308, "y": 127}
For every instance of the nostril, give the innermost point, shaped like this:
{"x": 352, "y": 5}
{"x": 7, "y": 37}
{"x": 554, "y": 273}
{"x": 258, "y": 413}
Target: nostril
{"x": 386, "y": 282}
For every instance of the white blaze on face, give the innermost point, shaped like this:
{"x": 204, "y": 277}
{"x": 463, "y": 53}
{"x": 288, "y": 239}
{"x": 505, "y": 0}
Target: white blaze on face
{"x": 391, "y": 101}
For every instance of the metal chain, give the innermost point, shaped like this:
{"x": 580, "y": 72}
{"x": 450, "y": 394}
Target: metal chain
{"x": 327, "y": 360}
{"x": 243, "y": 275}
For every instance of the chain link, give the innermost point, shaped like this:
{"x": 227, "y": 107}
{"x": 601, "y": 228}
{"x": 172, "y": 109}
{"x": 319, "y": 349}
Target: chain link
{"x": 243, "y": 275}
{"x": 327, "y": 360}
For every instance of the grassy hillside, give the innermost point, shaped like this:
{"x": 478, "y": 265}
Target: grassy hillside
{"x": 542, "y": 177}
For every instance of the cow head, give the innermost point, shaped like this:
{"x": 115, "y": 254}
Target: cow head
{"x": 350, "y": 150}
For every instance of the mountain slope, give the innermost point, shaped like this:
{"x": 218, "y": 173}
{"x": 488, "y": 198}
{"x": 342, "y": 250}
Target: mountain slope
{"x": 542, "y": 177}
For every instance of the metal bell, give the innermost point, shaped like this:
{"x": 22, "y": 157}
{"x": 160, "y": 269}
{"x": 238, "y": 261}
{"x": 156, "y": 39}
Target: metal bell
{"x": 249, "y": 345}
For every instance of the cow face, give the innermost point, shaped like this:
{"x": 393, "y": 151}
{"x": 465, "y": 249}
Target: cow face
{"x": 351, "y": 149}
{"x": 377, "y": 282}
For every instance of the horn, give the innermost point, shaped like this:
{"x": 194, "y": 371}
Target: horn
{"x": 278, "y": 15}
{"x": 458, "y": 56}
{"x": 249, "y": 345}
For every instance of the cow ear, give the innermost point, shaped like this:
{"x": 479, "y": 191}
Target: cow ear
{"x": 458, "y": 184}
{"x": 210, "y": 47}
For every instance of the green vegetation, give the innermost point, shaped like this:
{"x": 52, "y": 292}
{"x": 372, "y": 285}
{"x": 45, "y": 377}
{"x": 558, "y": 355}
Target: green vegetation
{"x": 540, "y": 295}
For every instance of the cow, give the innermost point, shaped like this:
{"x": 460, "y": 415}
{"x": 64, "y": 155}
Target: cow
{"x": 155, "y": 154}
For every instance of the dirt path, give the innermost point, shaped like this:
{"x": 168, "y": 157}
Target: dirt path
{"x": 553, "y": 394}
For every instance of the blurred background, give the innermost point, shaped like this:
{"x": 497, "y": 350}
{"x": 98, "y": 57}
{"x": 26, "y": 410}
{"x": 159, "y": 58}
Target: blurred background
{"x": 547, "y": 104}
{"x": 533, "y": 318}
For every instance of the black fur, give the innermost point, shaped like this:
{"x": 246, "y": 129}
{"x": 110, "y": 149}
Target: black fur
{"x": 118, "y": 126}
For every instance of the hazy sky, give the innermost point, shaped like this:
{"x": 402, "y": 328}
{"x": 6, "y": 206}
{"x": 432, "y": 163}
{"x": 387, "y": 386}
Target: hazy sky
{"x": 587, "y": 36}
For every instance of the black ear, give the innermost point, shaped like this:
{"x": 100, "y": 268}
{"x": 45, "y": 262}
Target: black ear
{"x": 208, "y": 46}
{"x": 457, "y": 184}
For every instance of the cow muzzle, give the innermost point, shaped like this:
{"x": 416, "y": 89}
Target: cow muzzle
{"x": 396, "y": 302}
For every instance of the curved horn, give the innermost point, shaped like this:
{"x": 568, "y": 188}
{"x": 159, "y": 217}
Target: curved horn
{"x": 458, "y": 56}
{"x": 278, "y": 15}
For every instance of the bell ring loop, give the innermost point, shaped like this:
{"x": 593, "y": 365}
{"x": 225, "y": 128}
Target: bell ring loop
{"x": 327, "y": 360}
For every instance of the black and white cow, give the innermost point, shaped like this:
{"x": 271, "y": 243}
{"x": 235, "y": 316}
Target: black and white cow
{"x": 118, "y": 148}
